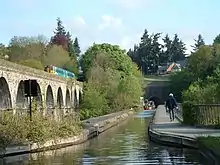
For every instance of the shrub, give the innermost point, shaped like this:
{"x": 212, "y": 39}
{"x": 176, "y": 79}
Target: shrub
{"x": 189, "y": 113}
{"x": 113, "y": 81}
{"x": 17, "y": 129}
{"x": 32, "y": 63}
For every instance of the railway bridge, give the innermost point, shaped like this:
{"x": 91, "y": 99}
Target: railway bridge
{"x": 53, "y": 91}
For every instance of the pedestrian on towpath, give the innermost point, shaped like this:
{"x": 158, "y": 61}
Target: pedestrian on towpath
{"x": 171, "y": 104}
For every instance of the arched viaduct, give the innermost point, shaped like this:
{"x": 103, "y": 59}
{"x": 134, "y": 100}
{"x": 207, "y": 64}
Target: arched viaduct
{"x": 53, "y": 92}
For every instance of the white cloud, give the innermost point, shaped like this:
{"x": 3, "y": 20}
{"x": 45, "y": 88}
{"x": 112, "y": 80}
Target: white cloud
{"x": 108, "y": 21}
{"x": 79, "y": 22}
{"x": 128, "y": 42}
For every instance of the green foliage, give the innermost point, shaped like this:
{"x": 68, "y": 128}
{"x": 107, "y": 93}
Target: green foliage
{"x": 32, "y": 63}
{"x": 199, "y": 42}
{"x": 116, "y": 56}
{"x": 189, "y": 113}
{"x": 202, "y": 94}
{"x": 60, "y": 51}
{"x": 76, "y": 47}
{"x": 3, "y": 51}
{"x": 113, "y": 81}
{"x": 57, "y": 56}
{"x": 179, "y": 82}
{"x": 203, "y": 62}
{"x": 217, "y": 39}
{"x": 149, "y": 54}
{"x": 17, "y": 129}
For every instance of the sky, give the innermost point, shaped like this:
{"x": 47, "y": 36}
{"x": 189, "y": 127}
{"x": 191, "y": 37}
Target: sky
{"x": 120, "y": 22}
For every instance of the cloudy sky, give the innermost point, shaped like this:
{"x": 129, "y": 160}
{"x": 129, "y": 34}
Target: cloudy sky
{"x": 114, "y": 21}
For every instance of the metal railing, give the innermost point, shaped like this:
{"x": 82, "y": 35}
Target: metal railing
{"x": 179, "y": 112}
{"x": 207, "y": 114}
{"x": 201, "y": 114}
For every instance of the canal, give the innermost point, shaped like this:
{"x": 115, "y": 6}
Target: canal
{"x": 125, "y": 144}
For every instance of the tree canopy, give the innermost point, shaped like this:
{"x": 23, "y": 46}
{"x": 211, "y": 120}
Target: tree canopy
{"x": 150, "y": 53}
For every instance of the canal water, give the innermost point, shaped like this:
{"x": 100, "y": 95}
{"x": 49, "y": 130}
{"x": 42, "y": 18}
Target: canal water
{"x": 125, "y": 144}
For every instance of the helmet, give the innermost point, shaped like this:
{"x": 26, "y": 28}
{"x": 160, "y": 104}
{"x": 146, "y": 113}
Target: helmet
{"x": 171, "y": 94}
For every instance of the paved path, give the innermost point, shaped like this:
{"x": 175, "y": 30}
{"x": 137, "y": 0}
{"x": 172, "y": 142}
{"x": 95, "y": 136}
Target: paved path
{"x": 162, "y": 124}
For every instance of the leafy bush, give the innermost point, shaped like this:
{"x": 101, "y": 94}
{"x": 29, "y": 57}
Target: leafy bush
{"x": 189, "y": 113}
{"x": 17, "y": 129}
{"x": 179, "y": 82}
{"x": 32, "y": 63}
{"x": 113, "y": 81}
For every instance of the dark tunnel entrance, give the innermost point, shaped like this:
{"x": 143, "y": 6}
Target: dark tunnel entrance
{"x": 157, "y": 101}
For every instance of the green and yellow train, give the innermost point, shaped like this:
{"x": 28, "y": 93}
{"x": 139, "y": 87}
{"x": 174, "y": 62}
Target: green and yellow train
{"x": 59, "y": 72}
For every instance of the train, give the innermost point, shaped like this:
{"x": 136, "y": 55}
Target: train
{"x": 59, "y": 72}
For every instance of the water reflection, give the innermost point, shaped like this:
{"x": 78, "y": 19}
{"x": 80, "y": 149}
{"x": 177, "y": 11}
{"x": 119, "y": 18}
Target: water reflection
{"x": 124, "y": 144}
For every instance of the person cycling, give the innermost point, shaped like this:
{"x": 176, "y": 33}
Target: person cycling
{"x": 171, "y": 104}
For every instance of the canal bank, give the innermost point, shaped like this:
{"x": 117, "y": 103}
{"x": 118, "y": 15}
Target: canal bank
{"x": 173, "y": 133}
{"x": 126, "y": 143}
{"x": 91, "y": 127}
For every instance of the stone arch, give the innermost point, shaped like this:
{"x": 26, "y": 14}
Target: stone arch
{"x": 21, "y": 100}
{"x": 5, "y": 95}
{"x": 38, "y": 99}
{"x": 60, "y": 98}
{"x": 68, "y": 102}
{"x": 49, "y": 98}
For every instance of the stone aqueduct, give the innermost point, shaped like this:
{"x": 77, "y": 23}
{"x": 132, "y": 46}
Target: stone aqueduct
{"x": 54, "y": 91}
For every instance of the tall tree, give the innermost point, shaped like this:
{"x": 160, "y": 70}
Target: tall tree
{"x": 71, "y": 48}
{"x": 155, "y": 51}
{"x": 60, "y": 37}
{"x": 133, "y": 54}
{"x": 217, "y": 39}
{"x": 199, "y": 42}
{"x": 144, "y": 52}
{"x": 77, "y": 47}
{"x": 166, "y": 55}
{"x": 178, "y": 49}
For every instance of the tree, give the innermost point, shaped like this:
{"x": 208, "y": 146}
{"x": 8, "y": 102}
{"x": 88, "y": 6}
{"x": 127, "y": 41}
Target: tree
{"x": 201, "y": 63}
{"x": 3, "y": 51}
{"x": 57, "y": 56}
{"x": 120, "y": 61}
{"x": 71, "y": 49}
{"x": 77, "y": 47}
{"x": 60, "y": 37}
{"x": 178, "y": 49}
{"x": 133, "y": 54}
{"x": 199, "y": 42}
{"x": 181, "y": 81}
{"x": 166, "y": 55}
{"x": 24, "y": 48}
{"x": 217, "y": 39}
{"x": 113, "y": 81}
